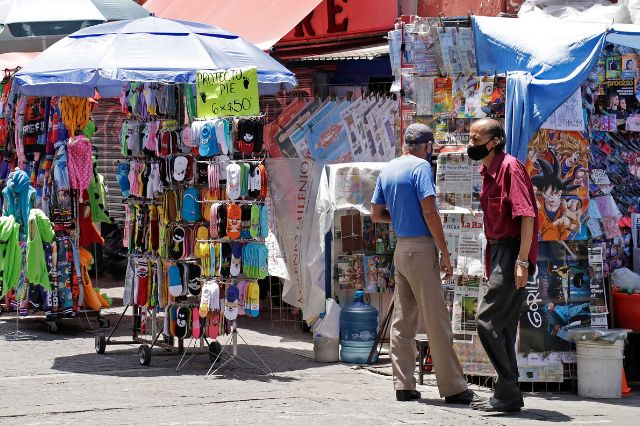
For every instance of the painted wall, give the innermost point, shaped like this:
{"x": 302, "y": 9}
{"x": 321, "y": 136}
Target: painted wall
{"x": 465, "y": 7}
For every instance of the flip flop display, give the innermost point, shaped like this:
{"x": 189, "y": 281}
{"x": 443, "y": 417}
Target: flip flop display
{"x": 197, "y": 215}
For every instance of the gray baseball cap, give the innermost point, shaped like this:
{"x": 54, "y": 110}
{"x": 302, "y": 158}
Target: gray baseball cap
{"x": 418, "y": 133}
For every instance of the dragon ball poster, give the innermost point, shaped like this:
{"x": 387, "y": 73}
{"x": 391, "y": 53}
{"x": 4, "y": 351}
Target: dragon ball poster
{"x": 557, "y": 163}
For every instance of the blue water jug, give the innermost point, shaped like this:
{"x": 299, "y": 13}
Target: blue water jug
{"x": 358, "y": 328}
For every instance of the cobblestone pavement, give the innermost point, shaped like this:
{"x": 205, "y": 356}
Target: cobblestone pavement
{"x": 59, "y": 379}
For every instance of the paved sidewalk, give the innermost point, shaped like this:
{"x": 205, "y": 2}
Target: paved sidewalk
{"x": 59, "y": 379}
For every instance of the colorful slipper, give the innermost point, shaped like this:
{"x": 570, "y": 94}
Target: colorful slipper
{"x": 255, "y": 221}
{"x": 213, "y": 325}
{"x": 182, "y": 322}
{"x": 234, "y": 220}
{"x": 175, "y": 281}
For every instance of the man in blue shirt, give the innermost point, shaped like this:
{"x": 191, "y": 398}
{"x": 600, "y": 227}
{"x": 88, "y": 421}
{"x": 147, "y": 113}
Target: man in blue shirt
{"x": 405, "y": 197}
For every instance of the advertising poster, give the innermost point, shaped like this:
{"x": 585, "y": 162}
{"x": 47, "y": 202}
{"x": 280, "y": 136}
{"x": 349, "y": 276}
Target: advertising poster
{"x": 557, "y": 298}
{"x": 557, "y": 163}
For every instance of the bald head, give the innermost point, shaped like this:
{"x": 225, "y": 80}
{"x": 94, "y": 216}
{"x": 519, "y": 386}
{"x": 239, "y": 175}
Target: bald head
{"x": 490, "y": 128}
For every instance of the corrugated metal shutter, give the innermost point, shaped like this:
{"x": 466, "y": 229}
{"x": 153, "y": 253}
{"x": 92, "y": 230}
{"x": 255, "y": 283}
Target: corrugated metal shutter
{"x": 108, "y": 119}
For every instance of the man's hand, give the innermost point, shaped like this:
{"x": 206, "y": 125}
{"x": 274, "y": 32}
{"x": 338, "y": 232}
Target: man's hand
{"x": 445, "y": 266}
{"x": 522, "y": 274}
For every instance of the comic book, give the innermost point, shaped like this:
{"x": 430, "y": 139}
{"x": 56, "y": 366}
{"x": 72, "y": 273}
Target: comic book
{"x": 442, "y": 96}
{"x": 613, "y": 70}
{"x": 368, "y": 235}
{"x": 629, "y": 66}
{"x": 350, "y": 272}
{"x": 498, "y": 96}
{"x": 382, "y": 238}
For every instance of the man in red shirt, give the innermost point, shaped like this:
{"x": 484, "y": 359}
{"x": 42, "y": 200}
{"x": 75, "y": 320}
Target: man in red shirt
{"x": 511, "y": 229}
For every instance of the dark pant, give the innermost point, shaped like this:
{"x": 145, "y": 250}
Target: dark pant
{"x": 498, "y": 316}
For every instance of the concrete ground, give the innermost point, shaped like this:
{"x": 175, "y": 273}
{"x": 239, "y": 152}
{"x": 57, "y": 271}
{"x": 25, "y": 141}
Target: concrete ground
{"x": 59, "y": 379}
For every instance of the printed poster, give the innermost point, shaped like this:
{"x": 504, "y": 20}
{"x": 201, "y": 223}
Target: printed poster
{"x": 228, "y": 92}
{"x": 568, "y": 116}
{"x": 557, "y": 163}
{"x": 558, "y": 297}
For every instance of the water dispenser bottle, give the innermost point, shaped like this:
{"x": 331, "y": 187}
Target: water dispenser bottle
{"x": 358, "y": 328}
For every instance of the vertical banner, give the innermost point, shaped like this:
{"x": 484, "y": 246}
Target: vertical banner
{"x": 227, "y": 92}
{"x": 293, "y": 184}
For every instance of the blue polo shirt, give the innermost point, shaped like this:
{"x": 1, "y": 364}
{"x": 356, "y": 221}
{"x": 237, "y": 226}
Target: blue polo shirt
{"x": 403, "y": 183}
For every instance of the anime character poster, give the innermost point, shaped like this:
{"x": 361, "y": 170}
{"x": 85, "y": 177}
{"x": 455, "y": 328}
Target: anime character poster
{"x": 557, "y": 297}
{"x": 557, "y": 165}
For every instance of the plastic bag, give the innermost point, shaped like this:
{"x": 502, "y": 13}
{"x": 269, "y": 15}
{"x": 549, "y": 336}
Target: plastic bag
{"x": 625, "y": 279}
{"x": 597, "y": 334}
{"x": 329, "y": 325}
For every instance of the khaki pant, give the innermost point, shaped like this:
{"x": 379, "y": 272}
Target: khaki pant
{"x": 419, "y": 290}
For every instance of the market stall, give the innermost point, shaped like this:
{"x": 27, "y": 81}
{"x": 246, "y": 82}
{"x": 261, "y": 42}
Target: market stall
{"x": 54, "y": 208}
{"x": 194, "y": 181}
{"x": 568, "y": 101}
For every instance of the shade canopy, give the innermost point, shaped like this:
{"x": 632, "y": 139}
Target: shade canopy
{"x": 262, "y": 22}
{"x": 148, "y": 49}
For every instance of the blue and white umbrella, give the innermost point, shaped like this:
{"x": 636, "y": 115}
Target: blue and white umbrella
{"x": 148, "y": 49}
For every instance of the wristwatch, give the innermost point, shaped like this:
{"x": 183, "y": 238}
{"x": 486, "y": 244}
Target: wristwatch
{"x": 522, "y": 263}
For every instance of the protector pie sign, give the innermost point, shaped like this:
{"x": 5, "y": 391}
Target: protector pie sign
{"x": 227, "y": 92}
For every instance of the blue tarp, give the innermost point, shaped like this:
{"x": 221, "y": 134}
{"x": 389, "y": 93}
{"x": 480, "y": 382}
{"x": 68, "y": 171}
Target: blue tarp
{"x": 147, "y": 49}
{"x": 545, "y": 62}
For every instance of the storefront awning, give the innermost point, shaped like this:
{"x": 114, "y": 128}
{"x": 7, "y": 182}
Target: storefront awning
{"x": 18, "y": 59}
{"x": 371, "y": 52}
{"x": 261, "y": 22}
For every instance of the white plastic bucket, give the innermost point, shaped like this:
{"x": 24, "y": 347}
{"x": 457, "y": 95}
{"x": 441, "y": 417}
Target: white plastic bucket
{"x": 326, "y": 349}
{"x": 600, "y": 369}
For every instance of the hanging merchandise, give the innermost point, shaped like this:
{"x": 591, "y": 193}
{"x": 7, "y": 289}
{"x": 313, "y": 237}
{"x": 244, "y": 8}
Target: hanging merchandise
{"x": 75, "y": 113}
{"x": 41, "y": 206}
{"x": 196, "y": 222}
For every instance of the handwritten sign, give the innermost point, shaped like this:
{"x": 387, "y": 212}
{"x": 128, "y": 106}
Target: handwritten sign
{"x": 227, "y": 92}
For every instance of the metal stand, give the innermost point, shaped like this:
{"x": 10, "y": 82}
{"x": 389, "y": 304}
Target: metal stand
{"x": 380, "y": 337}
{"x": 147, "y": 344}
{"x": 17, "y": 334}
{"x": 233, "y": 356}
{"x": 213, "y": 349}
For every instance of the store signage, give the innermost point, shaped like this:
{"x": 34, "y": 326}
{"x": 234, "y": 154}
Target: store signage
{"x": 227, "y": 92}
{"x": 340, "y": 18}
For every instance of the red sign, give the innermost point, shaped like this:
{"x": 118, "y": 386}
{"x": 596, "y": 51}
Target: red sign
{"x": 340, "y": 18}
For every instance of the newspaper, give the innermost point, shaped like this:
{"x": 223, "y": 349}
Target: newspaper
{"x": 465, "y": 306}
{"x": 454, "y": 182}
{"x": 470, "y": 260}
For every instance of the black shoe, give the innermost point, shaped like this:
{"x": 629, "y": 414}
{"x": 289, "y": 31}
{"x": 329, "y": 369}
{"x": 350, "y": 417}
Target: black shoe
{"x": 466, "y": 397}
{"x": 503, "y": 405}
{"x": 407, "y": 395}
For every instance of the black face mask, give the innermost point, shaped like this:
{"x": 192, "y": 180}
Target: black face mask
{"x": 478, "y": 152}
